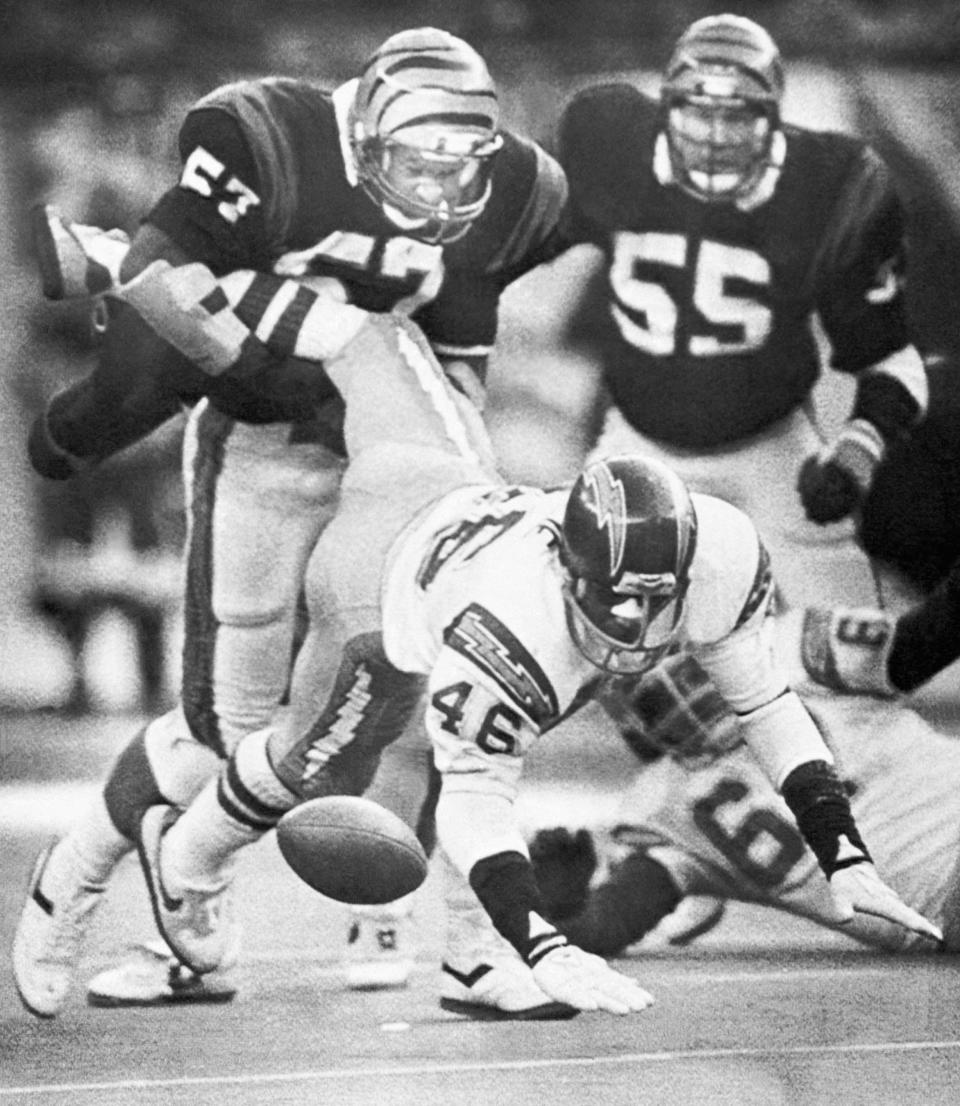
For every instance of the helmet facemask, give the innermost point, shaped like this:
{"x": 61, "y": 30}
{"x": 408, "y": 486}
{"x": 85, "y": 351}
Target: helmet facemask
{"x": 720, "y": 146}
{"x": 423, "y": 129}
{"x": 626, "y": 546}
{"x": 720, "y": 103}
{"x": 628, "y": 629}
{"x": 436, "y": 192}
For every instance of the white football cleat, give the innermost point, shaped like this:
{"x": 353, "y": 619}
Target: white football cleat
{"x": 502, "y": 990}
{"x": 197, "y": 923}
{"x": 153, "y": 976}
{"x": 379, "y": 952}
{"x": 847, "y": 649}
{"x": 75, "y": 260}
{"x": 50, "y": 933}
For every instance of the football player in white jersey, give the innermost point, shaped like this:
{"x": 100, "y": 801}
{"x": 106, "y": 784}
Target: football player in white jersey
{"x": 510, "y": 605}
{"x": 703, "y": 820}
{"x": 398, "y": 190}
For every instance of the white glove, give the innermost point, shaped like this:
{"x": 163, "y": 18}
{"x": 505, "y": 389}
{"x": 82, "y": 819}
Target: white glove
{"x": 859, "y": 888}
{"x": 577, "y": 978}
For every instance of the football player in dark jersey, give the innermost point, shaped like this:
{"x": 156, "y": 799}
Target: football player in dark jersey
{"x": 724, "y": 231}
{"x": 397, "y": 191}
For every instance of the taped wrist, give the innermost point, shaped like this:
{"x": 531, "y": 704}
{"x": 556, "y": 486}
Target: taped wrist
{"x": 858, "y": 450}
{"x": 507, "y": 890}
{"x": 818, "y": 800}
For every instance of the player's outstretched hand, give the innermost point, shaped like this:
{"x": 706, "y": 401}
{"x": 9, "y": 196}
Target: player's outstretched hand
{"x": 580, "y": 979}
{"x": 563, "y": 863}
{"x": 859, "y": 889}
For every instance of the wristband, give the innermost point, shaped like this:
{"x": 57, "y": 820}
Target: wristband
{"x": 818, "y": 800}
{"x": 507, "y": 890}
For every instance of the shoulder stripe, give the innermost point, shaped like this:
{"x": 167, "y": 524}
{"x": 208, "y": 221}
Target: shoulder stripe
{"x": 490, "y": 646}
{"x": 761, "y": 588}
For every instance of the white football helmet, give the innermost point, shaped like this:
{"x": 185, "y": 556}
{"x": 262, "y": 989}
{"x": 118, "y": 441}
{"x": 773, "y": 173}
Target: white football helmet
{"x": 423, "y": 129}
{"x": 720, "y": 97}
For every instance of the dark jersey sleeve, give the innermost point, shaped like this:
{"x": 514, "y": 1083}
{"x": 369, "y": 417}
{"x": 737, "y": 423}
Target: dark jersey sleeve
{"x": 860, "y": 295}
{"x": 518, "y": 231}
{"x": 214, "y": 213}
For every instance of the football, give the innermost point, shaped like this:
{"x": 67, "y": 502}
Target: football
{"x": 352, "y": 850}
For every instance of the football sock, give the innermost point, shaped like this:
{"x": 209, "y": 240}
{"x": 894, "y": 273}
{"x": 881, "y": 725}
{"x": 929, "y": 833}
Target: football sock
{"x": 232, "y": 811}
{"x": 94, "y": 847}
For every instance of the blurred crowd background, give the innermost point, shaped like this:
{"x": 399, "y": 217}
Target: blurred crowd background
{"x": 91, "y": 95}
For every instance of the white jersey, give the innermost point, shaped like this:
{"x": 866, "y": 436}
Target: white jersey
{"x": 473, "y": 598}
{"x": 720, "y": 829}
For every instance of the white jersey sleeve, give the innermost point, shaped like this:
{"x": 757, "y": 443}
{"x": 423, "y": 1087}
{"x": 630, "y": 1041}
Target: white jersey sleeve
{"x": 729, "y": 633}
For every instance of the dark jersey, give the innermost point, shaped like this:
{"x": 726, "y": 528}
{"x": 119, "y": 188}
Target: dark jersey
{"x": 705, "y": 325}
{"x": 265, "y": 182}
{"x": 265, "y": 185}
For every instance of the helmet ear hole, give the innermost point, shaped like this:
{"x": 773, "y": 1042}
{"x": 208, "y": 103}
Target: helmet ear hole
{"x": 627, "y": 543}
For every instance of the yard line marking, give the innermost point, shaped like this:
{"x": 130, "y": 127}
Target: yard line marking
{"x": 393, "y": 1071}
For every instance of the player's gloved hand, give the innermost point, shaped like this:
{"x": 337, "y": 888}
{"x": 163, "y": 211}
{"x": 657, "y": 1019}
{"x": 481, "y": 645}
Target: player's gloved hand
{"x": 563, "y": 863}
{"x": 833, "y": 482}
{"x": 859, "y": 889}
{"x": 568, "y": 974}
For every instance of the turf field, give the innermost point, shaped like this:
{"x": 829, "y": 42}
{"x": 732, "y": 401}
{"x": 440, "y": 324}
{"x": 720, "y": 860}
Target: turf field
{"x": 765, "y": 1009}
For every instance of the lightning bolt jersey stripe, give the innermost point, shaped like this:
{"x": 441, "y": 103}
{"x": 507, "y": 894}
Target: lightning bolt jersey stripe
{"x": 483, "y": 640}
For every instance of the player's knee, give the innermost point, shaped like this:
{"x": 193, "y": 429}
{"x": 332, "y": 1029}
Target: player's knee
{"x": 180, "y": 764}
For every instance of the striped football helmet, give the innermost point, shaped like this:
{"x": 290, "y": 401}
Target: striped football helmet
{"x": 720, "y": 97}
{"x": 424, "y": 132}
{"x": 627, "y": 540}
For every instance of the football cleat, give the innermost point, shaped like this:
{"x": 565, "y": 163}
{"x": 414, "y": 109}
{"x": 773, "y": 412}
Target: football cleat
{"x": 502, "y": 990}
{"x": 197, "y": 923}
{"x": 846, "y": 649}
{"x": 50, "y": 933}
{"x": 153, "y": 976}
{"x": 379, "y": 956}
{"x": 75, "y": 260}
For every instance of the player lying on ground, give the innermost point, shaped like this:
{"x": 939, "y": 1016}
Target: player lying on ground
{"x": 511, "y": 604}
{"x": 704, "y": 820}
{"x": 398, "y": 190}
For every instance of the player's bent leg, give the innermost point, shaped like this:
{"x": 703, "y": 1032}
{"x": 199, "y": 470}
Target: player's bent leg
{"x": 188, "y": 860}
{"x": 483, "y": 977}
{"x": 70, "y": 878}
{"x": 196, "y": 922}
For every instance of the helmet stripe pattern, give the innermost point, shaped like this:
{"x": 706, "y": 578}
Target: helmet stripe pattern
{"x": 606, "y": 498}
{"x": 427, "y": 78}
